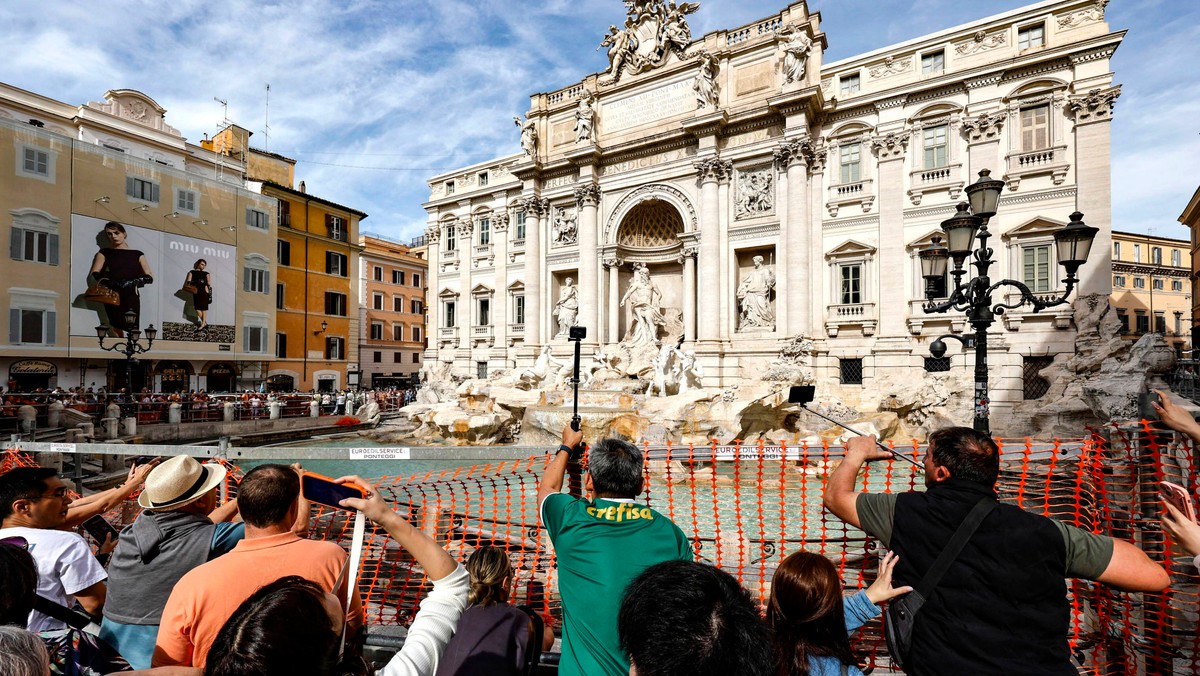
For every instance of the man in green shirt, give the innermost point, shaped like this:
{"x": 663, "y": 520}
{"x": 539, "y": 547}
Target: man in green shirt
{"x": 601, "y": 544}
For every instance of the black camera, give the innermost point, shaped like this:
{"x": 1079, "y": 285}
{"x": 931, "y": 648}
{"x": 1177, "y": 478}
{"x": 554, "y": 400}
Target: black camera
{"x": 802, "y": 394}
{"x": 577, "y": 333}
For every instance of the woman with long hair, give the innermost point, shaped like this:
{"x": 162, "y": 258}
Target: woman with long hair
{"x": 492, "y": 636}
{"x": 123, "y": 270}
{"x": 811, "y": 619}
{"x": 201, "y": 280}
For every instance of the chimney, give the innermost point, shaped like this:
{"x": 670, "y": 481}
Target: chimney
{"x": 302, "y": 188}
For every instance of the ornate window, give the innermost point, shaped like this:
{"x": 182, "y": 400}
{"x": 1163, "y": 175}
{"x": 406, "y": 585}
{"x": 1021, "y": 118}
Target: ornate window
{"x": 35, "y": 162}
{"x": 1031, "y": 36}
{"x": 256, "y": 274}
{"x": 849, "y": 85}
{"x": 32, "y": 319}
{"x": 936, "y": 146}
{"x": 1035, "y": 128}
{"x": 850, "y": 266}
{"x": 1035, "y": 268}
{"x": 850, "y": 163}
{"x": 933, "y": 63}
{"x": 34, "y": 237}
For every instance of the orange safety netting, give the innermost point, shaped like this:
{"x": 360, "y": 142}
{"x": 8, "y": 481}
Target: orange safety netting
{"x": 746, "y": 507}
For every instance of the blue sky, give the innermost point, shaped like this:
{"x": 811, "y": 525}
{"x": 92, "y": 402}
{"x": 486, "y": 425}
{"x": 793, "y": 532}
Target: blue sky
{"x": 375, "y": 96}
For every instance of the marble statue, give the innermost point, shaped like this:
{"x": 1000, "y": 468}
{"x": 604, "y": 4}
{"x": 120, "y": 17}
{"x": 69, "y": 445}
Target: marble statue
{"x": 688, "y": 371}
{"x": 565, "y": 228}
{"x": 585, "y": 118}
{"x": 705, "y": 84}
{"x": 675, "y": 32}
{"x": 547, "y": 366}
{"x": 795, "y": 53}
{"x": 644, "y": 300}
{"x": 622, "y": 47}
{"x": 754, "y": 298}
{"x": 755, "y": 194}
{"x": 566, "y": 310}
{"x": 528, "y": 136}
{"x": 663, "y": 372}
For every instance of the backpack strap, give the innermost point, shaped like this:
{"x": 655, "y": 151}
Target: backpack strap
{"x": 56, "y": 610}
{"x": 953, "y": 548}
{"x": 533, "y": 651}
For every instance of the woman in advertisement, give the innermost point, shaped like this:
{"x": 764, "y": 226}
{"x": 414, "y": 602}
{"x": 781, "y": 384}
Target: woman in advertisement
{"x": 124, "y": 270}
{"x": 199, "y": 284}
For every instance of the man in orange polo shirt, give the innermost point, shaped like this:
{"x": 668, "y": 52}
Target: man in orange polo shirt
{"x": 269, "y": 500}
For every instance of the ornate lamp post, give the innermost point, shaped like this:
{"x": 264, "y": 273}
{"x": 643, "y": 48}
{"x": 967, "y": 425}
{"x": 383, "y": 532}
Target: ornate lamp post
{"x": 974, "y": 297}
{"x": 131, "y": 346}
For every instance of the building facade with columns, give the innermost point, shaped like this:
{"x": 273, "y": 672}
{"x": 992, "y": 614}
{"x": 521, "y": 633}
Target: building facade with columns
{"x": 734, "y": 191}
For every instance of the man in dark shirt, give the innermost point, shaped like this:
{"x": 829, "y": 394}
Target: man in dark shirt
{"x": 1001, "y": 608}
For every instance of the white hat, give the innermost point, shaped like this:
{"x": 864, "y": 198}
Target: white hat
{"x": 178, "y": 481}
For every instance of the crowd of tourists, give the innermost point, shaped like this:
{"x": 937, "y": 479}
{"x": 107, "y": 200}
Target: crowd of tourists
{"x": 970, "y": 585}
{"x": 199, "y": 405}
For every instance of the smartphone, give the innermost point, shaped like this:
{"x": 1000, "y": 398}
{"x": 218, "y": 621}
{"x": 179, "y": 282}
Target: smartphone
{"x": 99, "y": 529}
{"x": 802, "y": 394}
{"x": 322, "y": 489}
{"x": 1178, "y": 496}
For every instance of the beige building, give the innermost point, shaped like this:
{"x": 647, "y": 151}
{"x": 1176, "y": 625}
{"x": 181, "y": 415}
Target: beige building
{"x": 391, "y": 305}
{"x": 1152, "y": 288}
{"x": 692, "y": 157}
{"x": 65, "y": 171}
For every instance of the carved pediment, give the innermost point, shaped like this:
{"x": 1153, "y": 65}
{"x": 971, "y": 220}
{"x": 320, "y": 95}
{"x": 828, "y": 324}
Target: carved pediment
{"x": 850, "y": 249}
{"x": 135, "y": 106}
{"x": 1035, "y": 227}
{"x": 448, "y": 293}
{"x": 481, "y": 290}
{"x": 925, "y": 240}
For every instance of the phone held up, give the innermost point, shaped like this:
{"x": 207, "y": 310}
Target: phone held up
{"x": 1178, "y": 497}
{"x": 802, "y": 394}
{"x": 99, "y": 529}
{"x": 322, "y": 489}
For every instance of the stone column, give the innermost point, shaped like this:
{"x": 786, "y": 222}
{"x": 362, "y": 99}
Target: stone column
{"x": 796, "y": 243}
{"x": 1093, "y": 180}
{"x": 712, "y": 172}
{"x": 613, "y": 265}
{"x": 433, "y": 305}
{"x": 587, "y": 199}
{"x": 688, "y": 257}
{"x": 500, "y": 295}
{"x": 535, "y": 210}
{"x": 466, "y": 302}
{"x": 982, "y": 133}
{"x": 891, "y": 305}
{"x": 816, "y": 153}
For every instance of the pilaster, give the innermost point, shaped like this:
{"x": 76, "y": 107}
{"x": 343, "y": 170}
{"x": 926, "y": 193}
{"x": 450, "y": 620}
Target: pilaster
{"x": 890, "y": 149}
{"x": 587, "y": 198}
{"x": 712, "y": 172}
{"x": 1093, "y": 175}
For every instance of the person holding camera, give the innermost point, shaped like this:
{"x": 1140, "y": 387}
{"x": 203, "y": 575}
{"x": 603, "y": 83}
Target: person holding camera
{"x": 274, "y": 512}
{"x": 601, "y": 544}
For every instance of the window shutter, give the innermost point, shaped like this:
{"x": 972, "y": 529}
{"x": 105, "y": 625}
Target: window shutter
{"x": 50, "y": 326}
{"x": 328, "y": 262}
{"x": 345, "y": 261}
{"x": 266, "y": 281}
{"x": 130, "y": 186}
{"x": 245, "y": 339}
{"x": 249, "y": 217}
{"x": 52, "y": 249}
{"x": 14, "y": 326}
{"x": 246, "y": 279}
{"x": 154, "y": 192}
{"x": 17, "y": 245}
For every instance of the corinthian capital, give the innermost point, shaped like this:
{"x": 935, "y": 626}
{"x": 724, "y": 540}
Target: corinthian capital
{"x": 789, "y": 153}
{"x": 500, "y": 222}
{"x": 983, "y": 127}
{"x": 433, "y": 233}
{"x": 587, "y": 195}
{"x": 714, "y": 169}
{"x": 535, "y": 205}
{"x": 890, "y": 146}
{"x": 613, "y": 262}
{"x": 690, "y": 251}
{"x": 465, "y": 228}
{"x": 1094, "y": 106}
{"x": 815, "y": 154}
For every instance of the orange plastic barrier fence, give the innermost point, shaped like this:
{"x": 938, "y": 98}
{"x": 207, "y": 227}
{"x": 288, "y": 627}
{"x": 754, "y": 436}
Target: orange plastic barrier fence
{"x": 746, "y": 507}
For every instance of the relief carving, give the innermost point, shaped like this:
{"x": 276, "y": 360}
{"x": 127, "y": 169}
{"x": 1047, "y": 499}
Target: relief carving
{"x": 981, "y": 42}
{"x": 755, "y": 193}
{"x": 890, "y": 67}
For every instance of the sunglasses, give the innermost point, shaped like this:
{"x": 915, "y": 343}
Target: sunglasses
{"x": 15, "y": 541}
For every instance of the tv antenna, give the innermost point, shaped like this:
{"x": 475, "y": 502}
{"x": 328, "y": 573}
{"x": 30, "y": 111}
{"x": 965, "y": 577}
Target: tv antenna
{"x": 225, "y": 111}
{"x": 267, "y": 120}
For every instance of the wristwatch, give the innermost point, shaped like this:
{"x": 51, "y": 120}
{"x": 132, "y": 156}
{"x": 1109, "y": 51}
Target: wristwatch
{"x": 564, "y": 447}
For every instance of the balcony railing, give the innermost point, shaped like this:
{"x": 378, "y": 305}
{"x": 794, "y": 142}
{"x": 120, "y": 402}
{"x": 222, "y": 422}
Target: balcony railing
{"x": 926, "y": 181}
{"x": 450, "y": 254}
{"x": 516, "y": 329}
{"x": 851, "y": 314}
{"x": 448, "y": 333}
{"x": 483, "y": 249}
{"x": 856, "y": 192}
{"x": 1053, "y": 161}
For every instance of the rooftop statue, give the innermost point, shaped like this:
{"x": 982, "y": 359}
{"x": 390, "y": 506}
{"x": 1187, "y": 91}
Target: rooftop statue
{"x": 652, "y": 30}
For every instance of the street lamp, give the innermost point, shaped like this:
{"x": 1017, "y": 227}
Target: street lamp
{"x": 968, "y": 226}
{"x": 131, "y": 346}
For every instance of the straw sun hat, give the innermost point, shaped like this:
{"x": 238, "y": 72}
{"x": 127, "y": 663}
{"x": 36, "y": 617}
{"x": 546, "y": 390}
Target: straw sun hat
{"x": 178, "y": 481}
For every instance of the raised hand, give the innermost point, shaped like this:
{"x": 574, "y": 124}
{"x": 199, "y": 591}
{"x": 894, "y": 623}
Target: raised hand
{"x": 881, "y": 589}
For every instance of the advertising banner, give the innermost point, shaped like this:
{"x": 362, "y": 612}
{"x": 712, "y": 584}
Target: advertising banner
{"x": 182, "y": 285}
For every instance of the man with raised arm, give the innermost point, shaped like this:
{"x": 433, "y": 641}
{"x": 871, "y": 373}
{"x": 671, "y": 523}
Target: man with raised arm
{"x": 1001, "y": 607}
{"x": 602, "y": 544}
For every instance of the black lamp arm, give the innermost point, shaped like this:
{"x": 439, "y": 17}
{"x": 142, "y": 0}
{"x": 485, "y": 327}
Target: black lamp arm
{"x": 1028, "y": 297}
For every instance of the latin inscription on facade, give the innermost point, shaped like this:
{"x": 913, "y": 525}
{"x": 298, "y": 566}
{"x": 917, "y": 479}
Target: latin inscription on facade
{"x": 648, "y": 161}
{"x": 562, "y": 133}
{"x": 657, "y": 104}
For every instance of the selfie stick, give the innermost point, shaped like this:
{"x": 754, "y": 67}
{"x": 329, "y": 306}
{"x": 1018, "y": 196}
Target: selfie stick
{"x": 894, "y": 452}
{"x": 574, "y": 466}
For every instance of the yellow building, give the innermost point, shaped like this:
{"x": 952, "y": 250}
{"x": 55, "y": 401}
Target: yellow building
{"x": 1152, "y": 288}
{"x": 392, "y": 312}
{"x": 316, "y": 292}
{"x": 66, "y": 172}
{"x": 1191, "y": 218}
